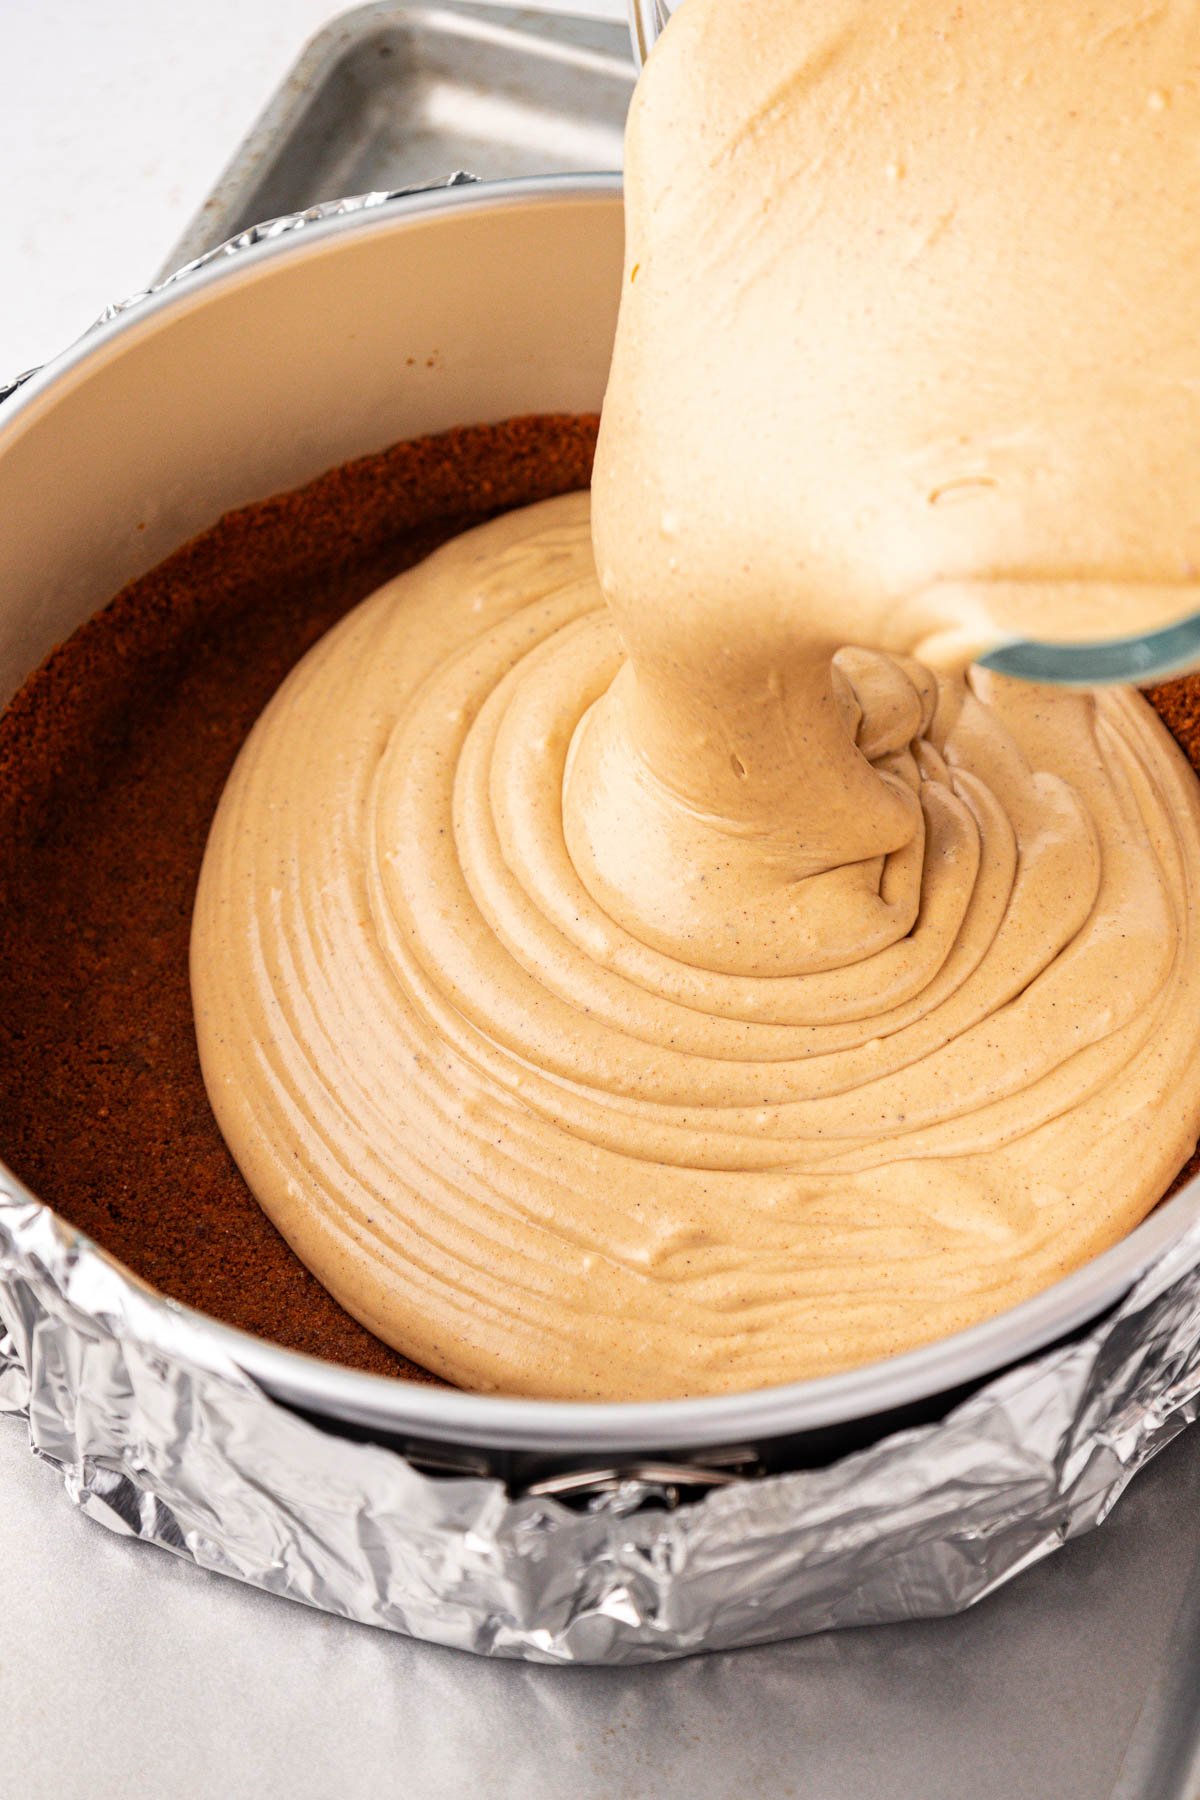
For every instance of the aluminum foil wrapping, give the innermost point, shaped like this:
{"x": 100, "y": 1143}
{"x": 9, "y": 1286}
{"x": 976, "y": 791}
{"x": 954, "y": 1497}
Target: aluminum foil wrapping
{"x": 259, "y": 234}
{"x": 158, "y": 1439}
{"x": 160, "y": 1436}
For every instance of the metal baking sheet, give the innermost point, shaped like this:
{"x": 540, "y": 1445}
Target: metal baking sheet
{"x": 1080, "y": 1681}
{"x": 393, "y": 95}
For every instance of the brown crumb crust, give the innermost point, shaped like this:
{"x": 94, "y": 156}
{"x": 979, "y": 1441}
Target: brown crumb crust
{"x": 1177, "y": 704}
{"x": 112, "y": 758}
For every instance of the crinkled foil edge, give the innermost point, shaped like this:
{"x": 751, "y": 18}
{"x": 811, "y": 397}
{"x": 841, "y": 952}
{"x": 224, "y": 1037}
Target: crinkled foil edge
{"x": 263, "y": 233}
{"x": 160, "y": 1436}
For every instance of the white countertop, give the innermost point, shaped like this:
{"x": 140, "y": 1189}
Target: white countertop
{"x": 117, "y": 117}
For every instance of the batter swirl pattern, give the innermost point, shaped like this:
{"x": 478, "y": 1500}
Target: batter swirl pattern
{"x": 542, "y": 1156}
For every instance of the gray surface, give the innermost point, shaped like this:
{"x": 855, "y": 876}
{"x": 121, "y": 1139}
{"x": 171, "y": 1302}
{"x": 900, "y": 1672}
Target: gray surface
{"x": 392, "y": 95}
{"x": 127, "y": 1673}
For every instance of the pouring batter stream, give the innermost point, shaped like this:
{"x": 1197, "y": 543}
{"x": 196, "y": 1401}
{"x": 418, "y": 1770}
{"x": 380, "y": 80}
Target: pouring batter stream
{"x": 685, "y": 977}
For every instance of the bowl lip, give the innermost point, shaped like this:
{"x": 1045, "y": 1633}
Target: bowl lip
{"x": 397, "y": 1407}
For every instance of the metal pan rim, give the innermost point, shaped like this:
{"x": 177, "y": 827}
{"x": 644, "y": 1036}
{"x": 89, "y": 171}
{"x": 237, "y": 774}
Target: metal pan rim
{"x": 449, "y": 1416}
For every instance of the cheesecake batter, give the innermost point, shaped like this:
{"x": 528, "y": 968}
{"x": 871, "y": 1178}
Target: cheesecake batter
{"x": 684, "y": 977}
